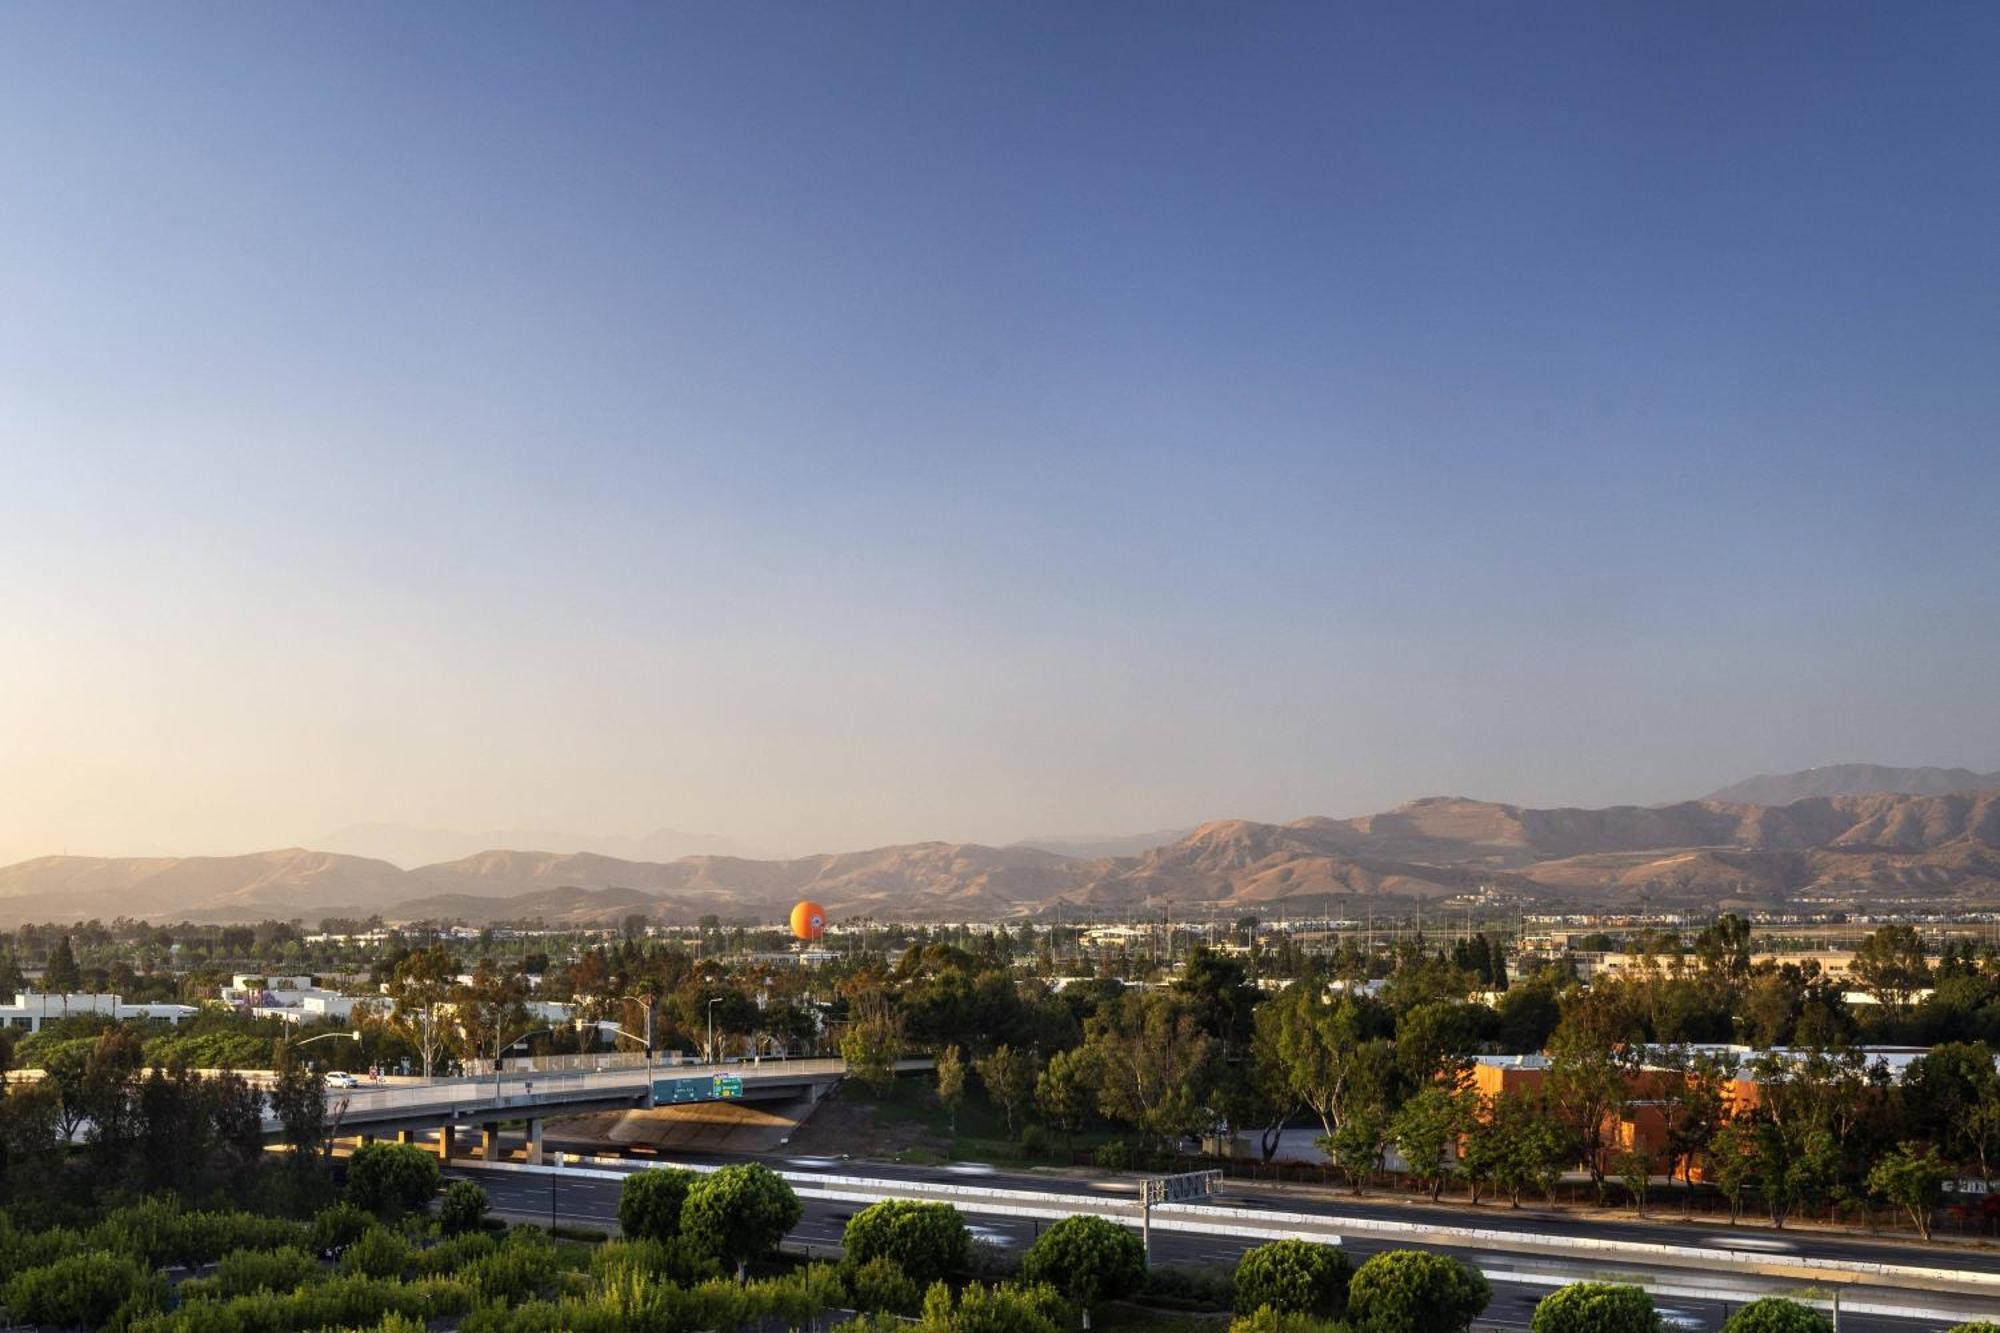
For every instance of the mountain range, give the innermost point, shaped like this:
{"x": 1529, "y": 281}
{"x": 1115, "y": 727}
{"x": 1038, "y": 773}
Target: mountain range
{"x": 1843, "y": 851}
{"x": 1852, "y": 780}
{"x": 406, "y": 846}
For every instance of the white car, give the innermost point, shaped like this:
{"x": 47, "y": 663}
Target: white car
{"x": 340, "y": 1078}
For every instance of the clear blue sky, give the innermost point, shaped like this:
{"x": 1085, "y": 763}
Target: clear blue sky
{"x": 826, "y": 425}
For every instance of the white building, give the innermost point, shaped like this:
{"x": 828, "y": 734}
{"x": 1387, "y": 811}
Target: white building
{"x": 31, "y": 1009}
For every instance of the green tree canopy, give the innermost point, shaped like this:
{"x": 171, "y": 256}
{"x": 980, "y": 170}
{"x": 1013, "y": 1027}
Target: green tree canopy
{"x": 1415, "y": 1291}
{"x": 391, "y": 1178}
{"x": 1595, "y": 1307}
{"x": 650, "y": 1203}
{"x": 740, "y": 1213}
{"x": 1293, "y": 1277}
{"x": 1775, "y": 1314}
{"x": 1087, "y": 1259}
{"x": 927, "y": 1240}
{"x": 1913, "y": 1178}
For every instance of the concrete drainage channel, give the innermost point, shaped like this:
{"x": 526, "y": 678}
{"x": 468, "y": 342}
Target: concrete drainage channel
{"x": 1570, "y": 1259}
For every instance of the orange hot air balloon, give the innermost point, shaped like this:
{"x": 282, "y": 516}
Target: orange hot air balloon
{"x": 808, "y": 920}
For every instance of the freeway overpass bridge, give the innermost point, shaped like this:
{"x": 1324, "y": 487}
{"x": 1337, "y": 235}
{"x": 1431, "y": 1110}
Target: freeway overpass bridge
{"x": 441, "y": 1109}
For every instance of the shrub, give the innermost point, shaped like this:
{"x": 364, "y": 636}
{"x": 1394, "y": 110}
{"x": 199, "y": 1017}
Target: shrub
{"x": 524, "y": 1267}
{"x": 452, "y": 1255}
{"x": 650, "y": 1203}
{"x": 33, "y": 1249}
{"x": 1775, "y": 1314}
{"x": 1415, "y": 1291}
{"x": 1113, "y": 1156}
{"x": 739, "y": 1213}
{"x": 1000, "y": 1309}
{"x": 159, "y": 1232}
{"x": 1189, "y": 1288}
{"x": 334, "y": 1229}
{"x": 881, "y": 1286}
{"x": 1087, "y": 1259}
{"x": 462, "y": 1209}
{"x": 391, "y": 1178}
{"x": 379, "y": 1253}
{"x": 1293, "y": 1277}
{"x": 83, "y": 1290}
{"x": 927, "y": 1241}
{"x": 675, "y": 1260}
{"x": 1595, "y": 1307}
{"x": 244, "y": 1271}
{"x": 1268, "y": 1320}
{"x": 339, "y": 1302}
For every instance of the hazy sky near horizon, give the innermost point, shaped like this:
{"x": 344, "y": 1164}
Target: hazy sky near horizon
{"x": 829, "y": 425}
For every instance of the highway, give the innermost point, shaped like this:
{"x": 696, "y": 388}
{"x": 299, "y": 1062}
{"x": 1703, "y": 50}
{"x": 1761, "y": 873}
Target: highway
{"x": 1519, "y": 1280}
{"x": 1665, "y": 1229}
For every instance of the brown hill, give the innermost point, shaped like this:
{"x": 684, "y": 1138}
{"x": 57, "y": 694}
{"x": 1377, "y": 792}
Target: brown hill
{"x": 291, "y": 881}
{"x": 1853, "y": 780}
{"x": 1833, "y": 851}
{"x": 926, "y": 878}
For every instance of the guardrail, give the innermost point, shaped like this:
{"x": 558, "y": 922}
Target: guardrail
{"x": 521, "y": 1090}
{"x": 1329, "y": 1228}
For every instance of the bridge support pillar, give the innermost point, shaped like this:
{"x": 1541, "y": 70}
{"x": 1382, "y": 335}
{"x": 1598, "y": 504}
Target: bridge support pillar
{"x": 534, "y": 1143}
{"x": 489, "y": 1141}
{"x": 406, "y": 1136}
{"x": 365, "y": 1140}
{"x": 444, "y": 1142}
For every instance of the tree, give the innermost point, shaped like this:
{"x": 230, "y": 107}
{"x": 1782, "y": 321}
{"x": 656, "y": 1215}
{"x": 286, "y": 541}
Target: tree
{"x": 1416, "y": 1291}
{"x": 1009, "y": 1076}
{"x": 1732, "y": 1160}
{"x": 489, "y": 1012}
{"x": 1890, "y": 963}
{"x": 1592, "y": 1061}
{"x": 1595, "y": 1307}
{"x": 62, "y": 976}
{"x": 1913, "y": 1178}
{"x": 1089, "y": 1260}
{"x": 1154, "y": 1064}
{"x": 650, "y": 1203}
{"x": 1315, "y": 1046}
{"x": 1775, "y": 1314}
{"x": 1951, "y": 1094}
{"x": 740, "y": 1213}
{"x": 951, "y": 1082}
{"x": 298, "y": 1098}
{"x": 1425, "y": 1131}
{"x": 928, "y": 1241}
{"x": 1223, "y": 998}
{"x": 1692, "y": 1106}
{"x": 1635, "y": 1172}
{"x": 1357, "y": 1144}
{"x": 1517, "y": 1145}
{"x": 391, "y": 1178}
{"x": 462, "y": 1209}
{"x": 418, "y": 989}
{"x": 1293, "y": 1277}
{"x": 1062, "y": 1093}
{"x": 873, "y": 1041}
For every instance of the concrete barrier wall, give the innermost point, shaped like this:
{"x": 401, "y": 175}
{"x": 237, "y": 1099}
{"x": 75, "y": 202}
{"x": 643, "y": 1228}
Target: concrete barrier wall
{"x": 1218, "y": 1220}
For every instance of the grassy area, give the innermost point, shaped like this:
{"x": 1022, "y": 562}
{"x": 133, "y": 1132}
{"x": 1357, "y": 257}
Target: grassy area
{"x": 910, "y": 1115}
{"x": 1126, "y": 1317}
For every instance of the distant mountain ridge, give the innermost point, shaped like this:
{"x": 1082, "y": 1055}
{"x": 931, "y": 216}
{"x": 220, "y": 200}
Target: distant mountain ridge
{"x": 1864, "y": 851}
{"x": 406, "y": 846}
{"x": 1852, "y": 780}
